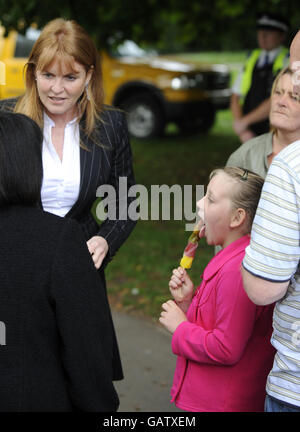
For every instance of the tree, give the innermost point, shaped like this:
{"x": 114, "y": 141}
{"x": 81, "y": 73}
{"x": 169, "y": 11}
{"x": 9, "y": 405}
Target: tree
{"x": 175, "y": 24}
{"x": 102, "y": 19}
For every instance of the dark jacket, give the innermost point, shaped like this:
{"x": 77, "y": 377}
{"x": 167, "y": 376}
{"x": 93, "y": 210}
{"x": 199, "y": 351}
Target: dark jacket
{"x": 107, "y": 159}
{"x": 58, "y": 335}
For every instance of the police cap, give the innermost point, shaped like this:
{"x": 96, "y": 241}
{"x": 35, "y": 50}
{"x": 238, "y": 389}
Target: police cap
{"x": 272, "y": 21}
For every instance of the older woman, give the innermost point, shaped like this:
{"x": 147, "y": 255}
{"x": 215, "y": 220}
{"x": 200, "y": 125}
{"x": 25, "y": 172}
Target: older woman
{"x": 85, "y": 143}
{"x": 258, "y": 153}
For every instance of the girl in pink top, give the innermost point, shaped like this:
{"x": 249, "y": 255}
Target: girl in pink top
{"x": 221, "y": 338}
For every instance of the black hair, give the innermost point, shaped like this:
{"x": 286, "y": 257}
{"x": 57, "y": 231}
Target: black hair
{"x": 21, "y": 168}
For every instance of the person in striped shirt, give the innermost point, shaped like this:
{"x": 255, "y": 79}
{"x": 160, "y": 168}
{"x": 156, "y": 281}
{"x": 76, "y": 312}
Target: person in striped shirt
{"x": 271, "y": 268}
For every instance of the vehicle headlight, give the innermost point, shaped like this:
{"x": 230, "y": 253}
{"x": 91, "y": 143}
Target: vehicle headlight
{"x": 178, "y": 83}
{"x": 187, "y": 81}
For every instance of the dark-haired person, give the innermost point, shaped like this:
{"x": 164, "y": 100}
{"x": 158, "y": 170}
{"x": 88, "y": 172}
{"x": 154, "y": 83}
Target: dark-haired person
{"x": 58, "y": 333}
{"x": 85, "y": 144}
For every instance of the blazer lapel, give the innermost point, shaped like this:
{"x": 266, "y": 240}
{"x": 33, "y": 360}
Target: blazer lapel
{"x": 86, "y": 171}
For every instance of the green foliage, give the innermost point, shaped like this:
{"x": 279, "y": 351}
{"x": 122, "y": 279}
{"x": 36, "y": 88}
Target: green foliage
{"x": 167, "y": 24}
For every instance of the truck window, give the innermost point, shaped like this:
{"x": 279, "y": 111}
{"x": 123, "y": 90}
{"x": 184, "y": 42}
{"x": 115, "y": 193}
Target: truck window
{"x": 23, "y": 46}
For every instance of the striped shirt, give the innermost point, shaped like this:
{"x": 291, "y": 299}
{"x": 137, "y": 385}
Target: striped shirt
{"x": 274, "y": 254}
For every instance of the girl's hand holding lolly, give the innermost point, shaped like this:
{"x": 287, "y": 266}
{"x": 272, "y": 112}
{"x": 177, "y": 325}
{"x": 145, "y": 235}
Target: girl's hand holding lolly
{"x": 181, "y": 288}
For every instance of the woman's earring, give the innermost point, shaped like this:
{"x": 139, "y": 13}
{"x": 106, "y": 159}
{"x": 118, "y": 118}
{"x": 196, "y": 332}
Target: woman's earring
{"x": 87, "y": 91}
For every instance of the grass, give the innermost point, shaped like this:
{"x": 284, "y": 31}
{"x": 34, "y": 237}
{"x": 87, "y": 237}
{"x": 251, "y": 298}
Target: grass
{"x": 138, "y": 276}
{"x": 229, "y": 58}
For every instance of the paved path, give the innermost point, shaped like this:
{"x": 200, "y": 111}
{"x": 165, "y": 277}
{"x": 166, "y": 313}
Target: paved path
{"x": 148, "y": 365}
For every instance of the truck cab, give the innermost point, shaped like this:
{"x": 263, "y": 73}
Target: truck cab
{"x": 153, "y": 90}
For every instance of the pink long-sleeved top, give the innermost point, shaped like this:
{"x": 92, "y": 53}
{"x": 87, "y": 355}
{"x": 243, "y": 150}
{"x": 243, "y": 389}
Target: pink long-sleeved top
{"x": 224, "y": 351}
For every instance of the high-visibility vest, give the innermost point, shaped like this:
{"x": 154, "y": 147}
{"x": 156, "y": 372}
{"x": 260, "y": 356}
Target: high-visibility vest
{"x": 278, "y": 64}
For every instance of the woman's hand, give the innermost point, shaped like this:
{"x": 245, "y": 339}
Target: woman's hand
{"x": 246, "y": 135}
{"x": 98, "y": 248}
{"x": 240, "y": 125}
{"x": 171, "y": 316}
{"x": 181, "y": 286}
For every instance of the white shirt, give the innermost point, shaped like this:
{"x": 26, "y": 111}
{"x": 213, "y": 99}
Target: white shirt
{"x": 61, "y": 181}
{"x": 236, "y": 88}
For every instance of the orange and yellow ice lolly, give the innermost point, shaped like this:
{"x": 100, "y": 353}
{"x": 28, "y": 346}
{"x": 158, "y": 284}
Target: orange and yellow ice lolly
{"x": 190, "y": 250}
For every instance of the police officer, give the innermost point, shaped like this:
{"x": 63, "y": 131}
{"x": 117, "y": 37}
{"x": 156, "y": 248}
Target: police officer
{"x": 250, "y": 100}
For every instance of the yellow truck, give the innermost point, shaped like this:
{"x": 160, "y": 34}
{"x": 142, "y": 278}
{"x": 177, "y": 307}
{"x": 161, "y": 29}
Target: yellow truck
{"x": 153, "y": 90}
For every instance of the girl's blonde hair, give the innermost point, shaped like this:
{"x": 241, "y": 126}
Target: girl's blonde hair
{"x": 66, "y": 41}
{"x": 247, "y": 192}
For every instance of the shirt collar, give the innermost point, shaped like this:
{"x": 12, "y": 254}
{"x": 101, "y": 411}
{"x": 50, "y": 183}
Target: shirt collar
{"x": 224, "y": 255}
{"x": 271, "y": 54}
{"x": 49, "y": 122}
{"x": 268, "y": 148}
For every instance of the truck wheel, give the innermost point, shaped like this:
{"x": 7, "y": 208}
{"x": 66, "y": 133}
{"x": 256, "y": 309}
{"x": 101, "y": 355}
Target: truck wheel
{"x": 202, "y": 123}
{"x": 144, "y": 116}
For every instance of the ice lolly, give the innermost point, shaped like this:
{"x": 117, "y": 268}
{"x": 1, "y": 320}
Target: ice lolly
{"x": 190, "y": 250}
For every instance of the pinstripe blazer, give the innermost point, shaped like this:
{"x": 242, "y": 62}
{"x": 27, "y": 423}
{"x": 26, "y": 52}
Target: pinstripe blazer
{"x": 107, "y": 158}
